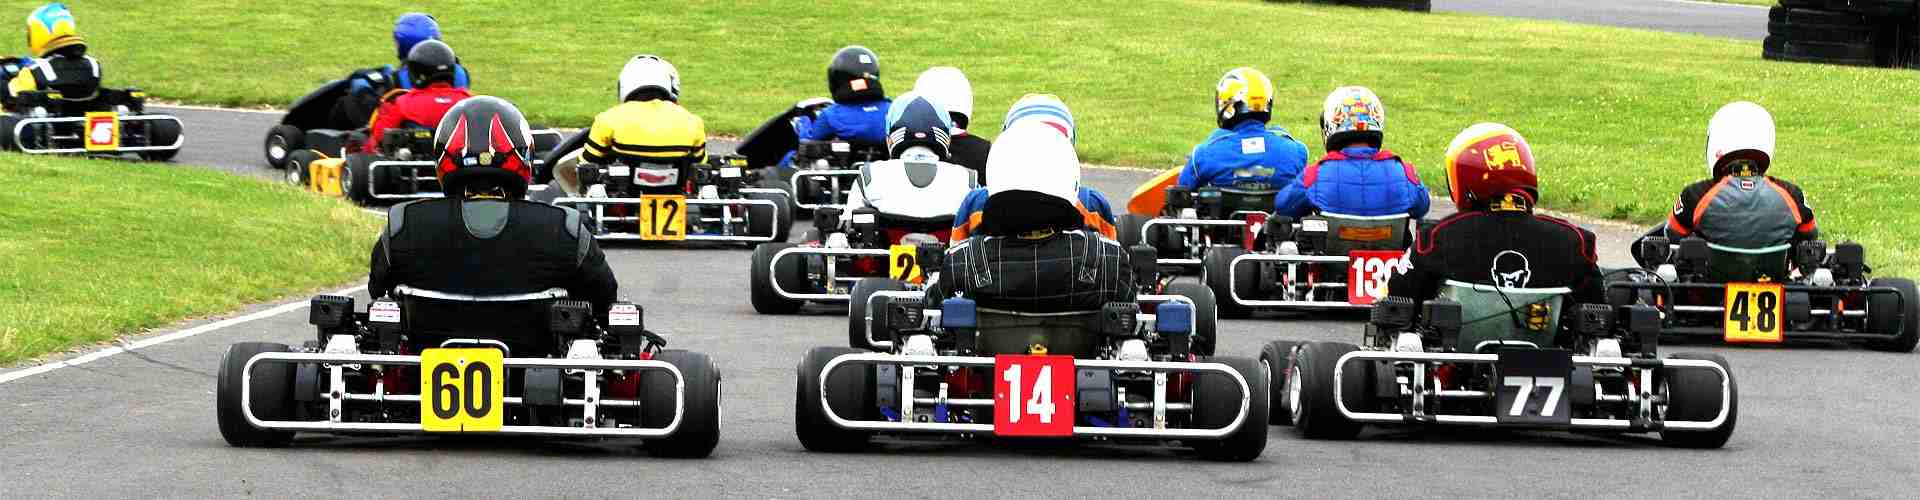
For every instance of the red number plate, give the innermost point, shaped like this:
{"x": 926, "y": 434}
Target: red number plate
{"x": 1367, "y": 274}
{"x": 1033, "y": 396}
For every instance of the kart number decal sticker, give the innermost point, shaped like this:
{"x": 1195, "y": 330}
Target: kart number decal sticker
{"x": 619, "y": 171}
{"x": 1533, "y": 387}
{"x": 1754, "y": 312}
{"x": 903, "y": 262}
{"x": 730, "y": 172}
{"x": 624, "y": 315}
{"x": 461, "y": 390}
{"x": 103, "y": 131}
{"x": 1368, "y": 272}
{"x": 383, "y": 311}
{"x": 663, "y": 217}
{"x": 1033, "y": 396}
{"x": 841, "y": 147}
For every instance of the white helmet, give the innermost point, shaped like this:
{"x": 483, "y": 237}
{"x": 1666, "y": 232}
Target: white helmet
{"x": 1034, "y": 156}
{"x": 948, "y": 85}
{"x": 1045, "y": 108}
{"x": 1740, "y": 126}
{"x": 648, "y": 70}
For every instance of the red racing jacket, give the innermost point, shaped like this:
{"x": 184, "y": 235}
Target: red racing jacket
{"x": 419, "y": 107}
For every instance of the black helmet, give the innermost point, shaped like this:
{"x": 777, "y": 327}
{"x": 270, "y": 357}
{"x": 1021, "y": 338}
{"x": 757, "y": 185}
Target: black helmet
{"x": 854, "y": 75}
{"x": 484, "y": 144}
{"x": 916, "y": 120}
{"x": 431, "y": 61}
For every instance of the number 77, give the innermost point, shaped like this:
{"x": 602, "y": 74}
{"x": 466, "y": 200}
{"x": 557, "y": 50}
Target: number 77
{"x": 1554, "y": 385}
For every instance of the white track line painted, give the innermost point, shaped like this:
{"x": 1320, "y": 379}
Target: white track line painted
{"x": 1718, "y": 4}
{"x": 149, "y": 342}
{"x": 220, "y": 109}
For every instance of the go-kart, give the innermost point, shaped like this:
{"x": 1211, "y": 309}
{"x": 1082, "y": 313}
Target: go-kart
{"x": 312, "y": 124}
{"x": 830, "y": 267}
{"x": 110, "y": 122}
{"x": 821, "y": 173}
{"x": 1319, "y": 262}
{"x": 1488, "y": 356}
{"x": 401, "y": 170}
{"x": 1125, "y": 374}
{"x": 1771, "y": 295}
{"x": 678, "y": 201}
{"x": 1194, "y": 220}
{"x": 421, "y": 361}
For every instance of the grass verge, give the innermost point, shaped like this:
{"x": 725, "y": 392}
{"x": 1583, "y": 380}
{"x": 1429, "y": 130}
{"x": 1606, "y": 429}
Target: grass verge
{"x": 99, "y": 248}
{"x": 1616, "y": 116}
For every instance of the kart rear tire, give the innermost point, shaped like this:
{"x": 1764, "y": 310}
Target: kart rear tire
{"x": 1216, "y": 402}
{"x": 1216, "y": 267}
{"x": 1906, "y": 323}
{"x": 1318, "y": 418}
{"x": 287, "y": 139}
{"x": 1694, "y": 394}
{"x": 1129, "y": 229}
{"x": 355, "y": 178}
{"x": 777, "y": 221}
{"x": 162, "y": 132}
{"x": 272, "y": 397}
{"x": 298, "y": 172}
{"x": 857, "y": 312}
{"x": 699, "y": 430}
{"x": 1276, "y": 358}
{"x": 763, "y": 273}
{"x": 7, "y": 141}
{"x": 1206, "y": 316}
{"x": 851, "y": 390}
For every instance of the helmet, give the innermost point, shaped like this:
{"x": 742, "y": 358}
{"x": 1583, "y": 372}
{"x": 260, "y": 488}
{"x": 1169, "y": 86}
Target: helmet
{"x": 483, "y": 143}
{"x": 950, "y": 86}
{"x": 1033, "y": 181}
{"x": 50, "y": 28}
{"x": 431, "y": 61}
{"x": 917, "y": 120}
{"x": 1740, "y": 133}
{"x": 648, "y": 71}
{"x": 854, "y": 75}
{"x": 1243, "y": 94}
{"x": 1490, "y": 165}
{"x": 1352, "y": 114}
{"x": 411, "y": 29}
{"x": 1047, "y": 108}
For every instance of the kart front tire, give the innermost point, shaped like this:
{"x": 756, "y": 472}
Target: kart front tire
{"x": 1318, "y": 418}
{"x": 857, "y": 312}
{"x": 271, "y": 396}
{"x": 1216, "y": 267}
{"x": 1217, "y": 402}
{"x": 1129, "y": 229}
{"x": 162, "y": 132}
{"x": 1890, "y": 315}
{"x": 281, "y": 142}
{"x": 763, "y": 274}
{"x": 699, "y": 430}
{"x": 298, "y": 170}
{"x": 776, "y": 221}
{"x": 1694, "y": 394}
{"x": 850, "y": 390}
{"x": 1205, "y": 315}
{"x": 1277, "y": 360}
{"x": 356, "y": 177}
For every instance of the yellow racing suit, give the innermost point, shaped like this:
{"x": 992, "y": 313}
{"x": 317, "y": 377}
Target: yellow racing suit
{"x": 653, "y": 131}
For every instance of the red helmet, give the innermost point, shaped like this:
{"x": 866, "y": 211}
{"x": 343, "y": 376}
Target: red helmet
{"x": 1491, "y": 164}
{"x": 484, "y": 143}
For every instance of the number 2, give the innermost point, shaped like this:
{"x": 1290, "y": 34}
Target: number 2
{"x": 904, "y": 267}
{"x": 1040, "y": 404}
{"x": 1526, "y": 385}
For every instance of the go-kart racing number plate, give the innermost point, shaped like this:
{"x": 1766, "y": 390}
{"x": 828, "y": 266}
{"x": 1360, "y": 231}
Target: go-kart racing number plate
{"x": 1367, "y": 274}
{"x": 663, "y": 217}
{"x": 1755, "y": 312}
{"x": 462, "y": 390}
{"x": 903, "y": 263}
{"x": 1033, "y": 396}
{"x": 103, "y": 131}
{"x": 1533, "y": 387}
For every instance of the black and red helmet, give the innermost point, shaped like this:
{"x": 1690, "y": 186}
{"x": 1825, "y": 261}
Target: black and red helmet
{"x": 1490, "y": 166}
{"x": 484, "y": 143}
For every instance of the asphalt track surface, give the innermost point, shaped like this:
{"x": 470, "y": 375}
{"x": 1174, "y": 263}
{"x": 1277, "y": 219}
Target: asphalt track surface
{"x": 1815, "y": 421}
{"x": 1711, "y": 19}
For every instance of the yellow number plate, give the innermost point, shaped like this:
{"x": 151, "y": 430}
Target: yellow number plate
{"x": 103, "y": 131}
{"x": 461, "y": 390}
{"x": 904, "y": 263}
{"x": 663, "y": 217}
{"x": 1756, "y": 312}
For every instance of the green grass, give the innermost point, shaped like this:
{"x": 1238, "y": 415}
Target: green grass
{"x": 1616, "y": 116}
{"x": 98, "y": 248}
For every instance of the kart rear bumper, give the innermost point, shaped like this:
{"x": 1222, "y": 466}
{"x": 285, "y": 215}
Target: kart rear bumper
{"x": 597, "y": 208}
{"x": 1644, "y": 400}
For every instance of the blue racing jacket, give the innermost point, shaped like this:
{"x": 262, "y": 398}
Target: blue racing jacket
{"x": 379, "y": 80}
{"x": 1248, "y": 156}
{"x": 857, "y": 122}
{"x": 1358, "y": 180}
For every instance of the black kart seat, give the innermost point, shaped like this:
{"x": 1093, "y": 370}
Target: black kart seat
{"x": 519, "y": 320}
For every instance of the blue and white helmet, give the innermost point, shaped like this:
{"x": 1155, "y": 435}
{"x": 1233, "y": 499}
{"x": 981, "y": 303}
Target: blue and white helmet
{"x": 1046, "y": 108}
{"x": 917, "y": 119}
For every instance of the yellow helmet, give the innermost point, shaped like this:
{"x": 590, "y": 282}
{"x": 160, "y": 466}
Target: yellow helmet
{"x": 50, "y": 28}
{"x": 1243, "y": 93}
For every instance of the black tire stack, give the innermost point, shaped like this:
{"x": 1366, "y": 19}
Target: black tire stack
{"x": 1407, "y": 5}
{"x": 1882, "y": 33}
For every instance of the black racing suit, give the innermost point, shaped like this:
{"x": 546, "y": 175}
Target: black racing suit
{"x": 490, "y": 247}
{"x": 1044, "y": 272}
{"x": 1514, "y": 249}
{"x": 1751, "y": 212}
{"x": 968, "y": 150}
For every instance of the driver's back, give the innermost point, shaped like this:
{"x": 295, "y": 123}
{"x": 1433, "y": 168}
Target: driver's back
{"x": 1510, "y": 249}
{"x": 916, "y": 189}
{"x": 1046, "y": 272}
{"x": 490, "y": 247}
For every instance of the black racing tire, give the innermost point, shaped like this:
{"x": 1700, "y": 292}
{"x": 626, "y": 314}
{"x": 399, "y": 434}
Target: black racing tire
{"x": 1216, "y": 266}
{"x": 1129, "y": 229}
{"x": 298, "y": 173}
{"x": 850, "y": 390}
{"x": 272, "y": 396}
{"x": 1824, "y": 33}
{"x": 1694, "y": 394}
{"x": 699, "y": 430}
{"x": 1276, "y": 358}
{"x": 1318, "y": 418}
{"x": 776, "y": 221}
{"x": 281, "y": 142}
{"x": 1407, "y": 5}
{"x": 1821, "y": 17}
{"x": 1205, "y": 315}
{"x": 162, "y": 132}
{"x": 763, "y": 273}
{"x": 1803, "y": 3}
{"x": 1889, "y": 315}
{"x": 1216, "y": 402}
{"x": 1853, "y": 54}
{"x": 857, "y": 311}
{"x": 7, "y": 140}
{"x": 356, "y": 178}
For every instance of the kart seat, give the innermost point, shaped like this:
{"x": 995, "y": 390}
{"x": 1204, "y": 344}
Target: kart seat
{"x": 1732, "y": 264}
{"x": 519, "y": 320}
{"x": 1488, "y": 322}
{"x": 1073, "y": 333}
{"x": 1346, "y": 233}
